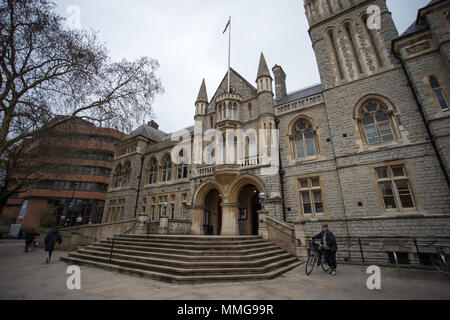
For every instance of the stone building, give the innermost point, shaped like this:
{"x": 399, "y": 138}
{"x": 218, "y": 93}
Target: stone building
{"x": 366, "y": 150}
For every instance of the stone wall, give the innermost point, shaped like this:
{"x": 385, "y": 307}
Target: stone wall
{"x": 88, "y": 234}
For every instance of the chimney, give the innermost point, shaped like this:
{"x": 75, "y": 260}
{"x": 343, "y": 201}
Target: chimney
{"x": 153, "y": 124}
{"x": 280, "y": 82}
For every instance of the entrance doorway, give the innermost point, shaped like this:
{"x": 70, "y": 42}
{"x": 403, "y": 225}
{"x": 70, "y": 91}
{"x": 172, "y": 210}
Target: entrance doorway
{"x": 212, "y": 215}
{"x": 248, "y": 210}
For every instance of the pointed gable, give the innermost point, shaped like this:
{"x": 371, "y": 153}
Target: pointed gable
{"x": 240, "y": 85}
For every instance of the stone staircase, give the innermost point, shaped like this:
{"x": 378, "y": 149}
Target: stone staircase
{"x": 188, "y": 259}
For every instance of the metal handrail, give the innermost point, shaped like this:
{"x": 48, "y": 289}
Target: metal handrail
{"x": 292, "y": 235}
{"x": 81, "y": 235}
{"x": 113, "y": 239}
{"x": 366, "y": 249}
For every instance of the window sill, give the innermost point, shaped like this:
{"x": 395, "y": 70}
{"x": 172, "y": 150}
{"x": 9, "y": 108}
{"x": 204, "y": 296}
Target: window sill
{"x": 380, "y": 146}
{"x": 294, "y": 162}
{"x": 168, "y": 183}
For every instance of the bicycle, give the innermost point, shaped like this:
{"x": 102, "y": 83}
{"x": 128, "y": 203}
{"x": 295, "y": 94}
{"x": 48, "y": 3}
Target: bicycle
{"x": 440, "y": 260}
{"x": 315, "y": 253}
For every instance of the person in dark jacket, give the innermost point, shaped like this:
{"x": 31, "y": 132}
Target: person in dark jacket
{"x": 51, "y": 239}
{"x": 29, "y": 238}
{"x": 330, "y": 247}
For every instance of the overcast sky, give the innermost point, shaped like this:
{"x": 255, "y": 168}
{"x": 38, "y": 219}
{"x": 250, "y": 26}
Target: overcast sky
{"x": 186, "y": 38}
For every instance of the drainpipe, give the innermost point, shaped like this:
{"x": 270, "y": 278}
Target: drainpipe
{"x": 139, "y": 187}
{"x": 422, "y": 114}
{"x": 281, "y": 172}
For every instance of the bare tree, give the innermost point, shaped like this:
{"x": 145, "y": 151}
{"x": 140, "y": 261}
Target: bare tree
{"x": 51, "y": 75}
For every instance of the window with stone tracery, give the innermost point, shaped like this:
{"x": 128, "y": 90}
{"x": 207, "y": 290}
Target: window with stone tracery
{"x": 304, "y": 137}
{"x": 376, "y": 123}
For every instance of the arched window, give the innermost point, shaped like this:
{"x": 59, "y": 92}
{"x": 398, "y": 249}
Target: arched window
{"x": 234, "y": 111}
{"x": 349, "y": 33}
{"x": 117, "y": 180}
{"x": 153, "y": 172}
{"x": 211, "y": 122}
{"x": 220, "y": 112}
{"x": 371, "y": 34}
{"x": 250, "y": 111}
{"x": 376, "y": 122}
{"x": 167, "y": 170}
{"x": 252, "y": 147}
{"x": 304, "y": 140}
{"x": 230, "y": 110}
{"x": 332, "y": 38}
{"x": 127, "y": 174}
{"x": 224, "y": 111}
{"x": 439, "y": 93}
{"x": 182, "y": 170}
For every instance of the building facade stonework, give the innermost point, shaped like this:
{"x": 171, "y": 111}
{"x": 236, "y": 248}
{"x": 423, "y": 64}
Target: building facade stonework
{"x": 367, "y": 149}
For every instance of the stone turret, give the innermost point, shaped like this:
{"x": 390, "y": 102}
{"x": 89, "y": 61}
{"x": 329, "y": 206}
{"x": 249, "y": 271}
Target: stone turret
{"x": 264, "y": 86}
{"x": 202, "y": 100}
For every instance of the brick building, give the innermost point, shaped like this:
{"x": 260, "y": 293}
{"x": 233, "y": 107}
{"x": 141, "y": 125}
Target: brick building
{"x": 366, "y": 150}
{"x": 73, "y": 179}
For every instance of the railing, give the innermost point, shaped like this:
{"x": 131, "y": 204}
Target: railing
{"x": 250, "y": 162}
{"x": 113, "y": 239}
{"x": 80, "y": 235}
{"x": 388, "y": 250}
{"x": 206, "y": 170}
{"x": 291, "y": 235}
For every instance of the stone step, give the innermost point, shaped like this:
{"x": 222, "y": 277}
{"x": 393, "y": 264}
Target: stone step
{"x": 187, "y": 246}
{"x": 124, "y": 261}
{"x": 183, "y": 279}
{"x": 192, "y": 237}
{"x": 188, "y": 257}
{"x": 192, "y": 251}
{"x": 176, "y": 262}
{"x": 180, "y": 241}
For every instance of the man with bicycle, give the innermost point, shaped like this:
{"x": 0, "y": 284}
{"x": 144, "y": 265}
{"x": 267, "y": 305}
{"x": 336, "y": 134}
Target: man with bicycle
{"x": 329, "y": 245}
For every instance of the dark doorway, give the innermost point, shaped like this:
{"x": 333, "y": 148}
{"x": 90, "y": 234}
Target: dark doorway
{"x": 248, "y": 210}
{"x": 212, "y": 217}
{"x": 256, "y": 206}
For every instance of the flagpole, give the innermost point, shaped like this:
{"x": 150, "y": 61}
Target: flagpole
{"x": 229, "y": 56}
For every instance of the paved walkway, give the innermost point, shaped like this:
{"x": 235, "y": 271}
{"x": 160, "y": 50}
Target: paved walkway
{"x": 26, "y": 276}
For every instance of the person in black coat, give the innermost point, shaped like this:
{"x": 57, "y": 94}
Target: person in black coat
{"x": 29, "y": 238}
{"x": 329, "y": 245}
{"x": 51, "y": 239}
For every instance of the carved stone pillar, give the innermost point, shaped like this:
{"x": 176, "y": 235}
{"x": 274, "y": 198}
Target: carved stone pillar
{"x": 230, "y": 225}
{"x": 197, "y": 221}
{"x": 263, "y": 231}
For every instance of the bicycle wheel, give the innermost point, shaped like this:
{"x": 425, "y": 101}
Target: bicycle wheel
{"x": 310, "y": 264}
{"x": 437, "y": 262}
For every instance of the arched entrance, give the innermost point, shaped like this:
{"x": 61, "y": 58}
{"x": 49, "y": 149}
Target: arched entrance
{"x": 227, "y": 208}
{"x": 248, "y": 206}
{"x": 212, "y": 214}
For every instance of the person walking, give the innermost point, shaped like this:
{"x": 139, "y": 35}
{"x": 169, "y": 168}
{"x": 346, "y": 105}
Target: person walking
{"x": 29, "y": 238}
{"x": 50, "y": 241}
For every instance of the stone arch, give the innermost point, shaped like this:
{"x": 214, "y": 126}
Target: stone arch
{"x": 163, "y": 157}
{"x": 381, "y": 103}
{"x": 204, "y": 189}
{"x": 240, "y": 182}
{"x": 372, "y": 96}
{"x": 297, "y": 119}
{"x": 199, "y": 204}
